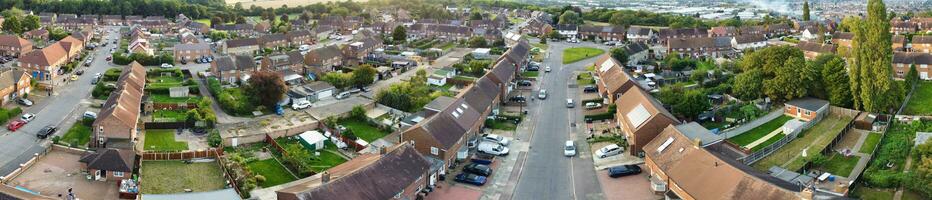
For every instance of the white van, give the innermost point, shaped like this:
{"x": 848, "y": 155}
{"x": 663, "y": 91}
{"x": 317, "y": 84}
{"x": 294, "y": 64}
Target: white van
{"x": 493, "y": 148}
{"x": 569, "y": 103}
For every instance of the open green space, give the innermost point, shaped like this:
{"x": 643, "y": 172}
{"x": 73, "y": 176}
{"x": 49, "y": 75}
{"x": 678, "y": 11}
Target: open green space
{"x": 163, "y": 140}
{"x": 363, "y": 129}
{"x": 166, "y": 177}
{"x": 754, "y": 134}
{"x": 921, "y": 101}
{"x": 812, "y": 140}
{"x": 78, "y": 135}
{"x": 203, "y": 21}
{"x": 767, "y": 143}
{"x": 575, "y": 54}
{"x": 274, "y": 172}
{"x": 839, "y": 164}
{"x": 870, "y": 143}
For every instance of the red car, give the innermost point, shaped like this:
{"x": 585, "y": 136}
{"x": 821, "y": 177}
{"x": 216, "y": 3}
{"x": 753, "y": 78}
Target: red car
{"x": 16, "y": 124}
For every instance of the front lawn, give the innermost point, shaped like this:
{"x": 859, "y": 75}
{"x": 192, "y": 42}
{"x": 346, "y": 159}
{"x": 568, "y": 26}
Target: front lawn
{"x": 274, "y": 173}
{"x": 363, "y": 129}
{"x": 501, "y": 124}
{"x": 870, "y": 143}
{"x": 585, "y": 79}
{"x": 921, "y": 101}
{"x": 530, "y": 74}
{"x": 839, "y": 164}
{"x": 78, "y": 135}
{"x": 575, "y": 54}
{"x": 812, "y": 141}
{"x": 164, "y": 98}
{"x": 760, "y": 131}
{"x": 163, "y": 140}
{"x": 166, "y": 177}
{"x": 177, "y": 115}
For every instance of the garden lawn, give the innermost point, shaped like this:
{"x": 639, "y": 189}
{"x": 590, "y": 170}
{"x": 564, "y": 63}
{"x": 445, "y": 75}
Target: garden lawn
{"x": 840, "y": 165}
{"x": 530, "y": 74}
{"x": 79, "y": 134}
{"x": 274, "y": 173}
{"x": 177, "y": 115}
{"x": 575, "y": 54}
{"x": 585, "y": 79}
{"x": 813, "y": 140}
{"x": 760, "y": 131}
{"x": 921, "y": 101}
{"x": 163, "y": 98}
{"x": 364, "y": 130}
{"x": 163, "y": 140}
{"x": 870, "y": 143}
{"x": 203, "y": 21}
{"x": 166, "y": 177}
{"x": 500, "y": 124}
{"x": 770, "y": 141}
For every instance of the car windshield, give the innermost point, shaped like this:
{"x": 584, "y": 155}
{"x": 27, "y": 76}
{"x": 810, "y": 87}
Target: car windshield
{"x": 570, "y": 147}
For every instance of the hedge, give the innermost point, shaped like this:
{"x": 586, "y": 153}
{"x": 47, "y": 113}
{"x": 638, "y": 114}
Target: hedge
{"x": 7, "y": 114}
{"x": 112, "y": 74}
{"x": 147, "y": 60}
{"x": 610, "y": 114}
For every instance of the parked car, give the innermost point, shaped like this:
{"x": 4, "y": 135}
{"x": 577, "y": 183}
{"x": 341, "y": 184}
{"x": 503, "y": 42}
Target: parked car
{"x": 542, "y": 94}
{"x": 519, "y": 99}
{"x": 90, "y": 115}
{"x": 298, "y": 105}
{"x": 524, "y": 83}
{"x": 15, "y": 125}
{"x": 46, "y": 131}
{"x": 590, "y": 89}
{"x": 570, "y": 104}
{"x": 478, "y": 169}
{"x": 532, "y": 68}
{"x": 79, "y": 72}
{"x": 184, "y": 62}
{"x": 610, "y": 150}
{"x": 109, "y": 58}
{"x": 23, "y": 101}
{"x": 28, "y": 117}
{"x": 166, "y": 65}
{"x": 496, "y": 138}
{"x": 343, "y": 95}
{"x": 624, "y": 170}
{"x": 569, "y": 148}
{"x": 493, "y": 148}
{"x": 593, "y": 105}
{"x": 471, "y": 179}
{"x": 547, "y": 69}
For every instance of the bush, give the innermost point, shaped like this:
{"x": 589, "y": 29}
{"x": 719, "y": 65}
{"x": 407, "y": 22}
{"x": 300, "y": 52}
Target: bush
{"x": 213, "y": 138}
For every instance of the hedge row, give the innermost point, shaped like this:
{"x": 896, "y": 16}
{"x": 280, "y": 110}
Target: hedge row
{"x": 7, "y": 114}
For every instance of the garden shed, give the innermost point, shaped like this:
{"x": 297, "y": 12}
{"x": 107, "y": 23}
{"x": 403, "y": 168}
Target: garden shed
{"x": 312, "y": 140}
{"x": 793, "y": 126}
{"x": 178, "y": 92}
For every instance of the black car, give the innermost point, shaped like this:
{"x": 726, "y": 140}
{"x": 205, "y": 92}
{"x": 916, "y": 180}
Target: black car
{"x": 524, "y": 83}
{"x": 590, "y": 89}
{"x": 46, "y": 131}
{"x": 479, "y": 169}
{"x": 623, "y": 170}
{"x": 184, "y": 62}
{"x": 519, "y": 99}
{"x": 471, "y": 179}
{"x": 532, "y": 68}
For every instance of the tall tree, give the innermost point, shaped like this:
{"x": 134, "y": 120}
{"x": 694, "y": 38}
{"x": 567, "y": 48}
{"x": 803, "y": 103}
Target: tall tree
{"x": 400, "y": 34}
{"x": 13, "y": 25}
{"x": 694, "y": 102}
{"x": 912, "y": 76}
{"x": 364, "y": 75}
{"x": 620, "y": 54}
{"x": 267, "y": 87}
{"x": 569, "y": 17}
{"x": 748, "y": 85}
{"x": 835, "y": 79}
{"x": 789, "y": 82}
{"x": 806, "y": 11}
{"x": 31, "y": 22}
{"x": 871, "y": 74}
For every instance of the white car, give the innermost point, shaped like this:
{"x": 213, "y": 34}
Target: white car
{"x": 493, "y": 148}
{"x": 496, "y": 138}
{"x": 298, "y": 105}
{"x": 547, "y": 69}
{"x": 610, "y": 150}
{"x": 542, "y": 94}
{"x": 569, "y": 149}
{"x": 28, "y": 117}
{"x": 166, "y": 65}
{"x": 593, "y": 105}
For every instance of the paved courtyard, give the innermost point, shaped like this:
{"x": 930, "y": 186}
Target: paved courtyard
{"x": 446, "y": 191}
{"x": 628, "y": 187}
{"x": 57, "y": 171}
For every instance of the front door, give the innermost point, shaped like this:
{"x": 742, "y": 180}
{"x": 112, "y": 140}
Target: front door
{"x": 97, "y": 174}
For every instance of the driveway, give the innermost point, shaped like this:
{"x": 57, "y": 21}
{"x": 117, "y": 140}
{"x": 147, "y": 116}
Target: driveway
{"x": 58, "y": 171}
{"x": 18, "y": 147}
{"x": 635, "y": 187}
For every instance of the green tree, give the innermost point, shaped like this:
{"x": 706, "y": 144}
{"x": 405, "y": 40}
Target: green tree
{"x": 569, "y": 17}
{"x": 912, "y": 76}
{"x": 267, "y": 87}
{"x": 477, "y": 42}
{"x": 214, "y": 21}
{"x": 543, "y": 38}
{"x": 31, "y": 22}
{"x": 835, "y": 80}
{"x": 872, "y": 83}
{"x": 13, "y": 25}
{"x": 748, "y": 85}
{"x": 400, "y": 34}
{"x": 620, "y": 54}
{"x": 694, "y": 102}
{"x": 699, "y": 76}
{"x": 284, "y": 18}
{"x": 671, "y": 94}
{"x": 787, "y": 83}
{"x": 849, "y": 23}
{"x": 806, "y": 10}
{"x": 338, "y": 79}
{"x": 364, "y": 75}
{"x": 240, "y": 20}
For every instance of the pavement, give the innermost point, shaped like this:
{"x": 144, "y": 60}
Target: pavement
{"x": 547, "y": 173}
{"x": 633, "y": 187}
{"x": 18, "y": 147}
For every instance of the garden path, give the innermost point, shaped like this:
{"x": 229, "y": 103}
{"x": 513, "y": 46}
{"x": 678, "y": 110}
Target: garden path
{"x": 764, "y": 139}
{"x": 753, "y": 124}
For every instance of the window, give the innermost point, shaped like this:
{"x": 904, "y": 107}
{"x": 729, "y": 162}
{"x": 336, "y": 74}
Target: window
{"x": 807, "y": 113}
{"x": 435, "y": 151}
{"x": 117, "y": 174}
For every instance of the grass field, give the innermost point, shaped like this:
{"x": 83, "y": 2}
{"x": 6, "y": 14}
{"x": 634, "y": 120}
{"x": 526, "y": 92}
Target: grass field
{"x": 921, "y": 101}
{"x": 839, "y": 164}
{"x": 163, "y": 140}
{"x": 274, "y": 172}
{"x": 363, "y": 130}
{"x": 163, "y": 98}
{"x": 870, "y": 143}
{"x": 166, "y": 177}
{"x": 575, "y": 54}
{"x": 530, "y": 74}
{"x": 760, "y": 131}
{"x": 79, "y": 134}
{"x": 812, "y": 141}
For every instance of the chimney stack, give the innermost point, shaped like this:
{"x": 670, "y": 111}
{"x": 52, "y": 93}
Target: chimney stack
{"x": 324, "y": 178}
{"x": 382, "y": 151}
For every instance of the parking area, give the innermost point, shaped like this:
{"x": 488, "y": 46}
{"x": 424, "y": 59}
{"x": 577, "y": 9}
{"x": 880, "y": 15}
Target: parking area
{"x": 446, "y": 191}
{"x": 58, "y": 171}
{"x": 627, "y": 187}
{"x": 622, "y": 158}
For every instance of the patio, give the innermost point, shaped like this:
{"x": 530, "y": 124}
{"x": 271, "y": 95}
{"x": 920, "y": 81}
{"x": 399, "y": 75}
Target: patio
{"x": 58, "y": 171}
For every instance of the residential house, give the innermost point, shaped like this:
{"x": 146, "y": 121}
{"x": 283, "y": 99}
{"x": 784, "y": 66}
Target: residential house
{"x": 681, "y": 169}
{"x": 701, "y": 47}
{"x": 248, "y": 46}
{"x": 286, "y": 64}
{"x": 300, "y": 37}
{"x": 355, "y": 52}
{"x": 641, "y": 118}
{"x": 922, "y": 23}
{"x": 536, "y": 27}
{"x": 318, "y": 90}
{"x": 239, "y": 29}
{"x": 842, "y": 40}
{"x": 14, "y": 83}
{"x": 778, "y": 29}
{"x": 602, "y": 33}
{"x": 668, "y": 34}
{"x": 273, "y": 41}
{"x": 902, "y": 61}
{"x": 443, "y": 135}
{"x": 483, "y": 95}
{"x": 108, "y": 164}
{"x": 898, "y": 43}
{"x": 440, "y": 76}
{"x": 437, "y": 105}
{"x": 639, "y": 34}
{"x": 568, "y": 31}
{"x": 762, "y": 30}
{"x": 921, "y": 43}
{"x": 197, "y": 27}
{"x": 749, "y": 41}
{"x": 399, "y": 172}
{"x": 638, "y": 52}
{"x": 111, "y": 20}
{"x": 900, "y": 27}
{"x": 262, "y": 27}
{"x": 73, "y": 46}
{"x": 808, "y": 34}
{"x": 519, "y": 54}
{"x": 141, "y": 46}
{"x": 188, "y": 37}
{"x": 191, "y": 51}
{"x": 40, "y": 34}
{"x": 806, "y": 109}
{"x": 723, "y": 31}
{"x": 812, "y": 49}
{"x": 43, "y": 64}
{"x": 233, "y": 68}
{"x": 323, "y": 60}
{"x": 12, "y": 45}
{"x": 116, "y": 125}
{"x": 612, "y": 80}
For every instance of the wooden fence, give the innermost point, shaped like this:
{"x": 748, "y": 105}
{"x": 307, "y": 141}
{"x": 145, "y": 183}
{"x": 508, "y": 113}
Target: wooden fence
{"x": 174, "y": 106}
{"x": 185, "y": 155}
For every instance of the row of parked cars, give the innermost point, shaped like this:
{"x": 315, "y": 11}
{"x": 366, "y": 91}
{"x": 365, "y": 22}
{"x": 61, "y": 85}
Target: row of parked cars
{"x": 45, "y": 132}
{"x": 488, "y": 145}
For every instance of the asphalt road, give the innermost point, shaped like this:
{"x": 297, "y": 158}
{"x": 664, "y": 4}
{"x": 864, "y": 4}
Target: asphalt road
{"x": 18, "y": 147}
{"x": 547, "y": 174}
